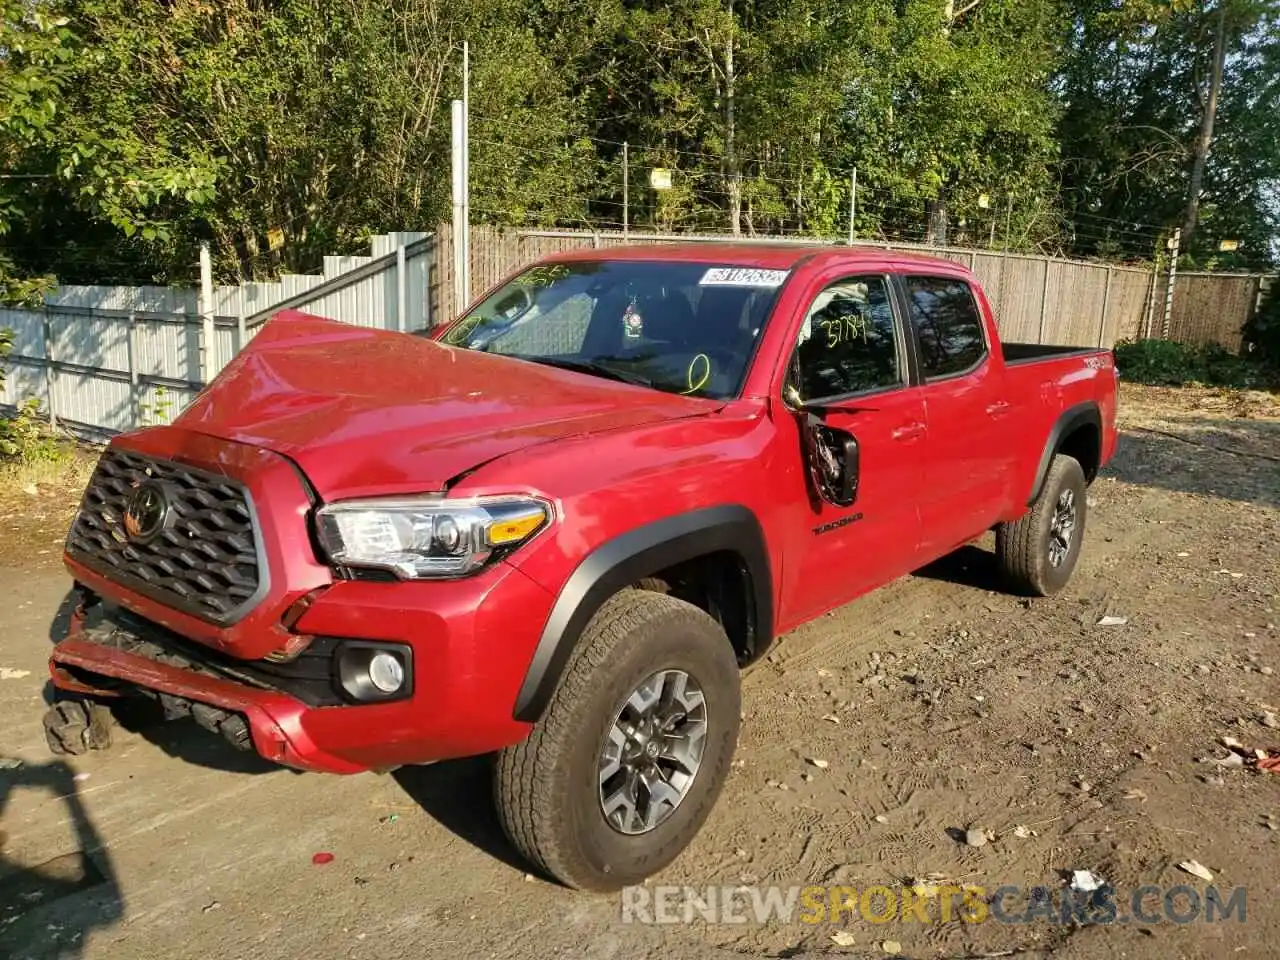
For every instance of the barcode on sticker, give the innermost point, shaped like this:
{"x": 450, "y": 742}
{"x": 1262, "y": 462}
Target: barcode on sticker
{"x": 742, "y": 277}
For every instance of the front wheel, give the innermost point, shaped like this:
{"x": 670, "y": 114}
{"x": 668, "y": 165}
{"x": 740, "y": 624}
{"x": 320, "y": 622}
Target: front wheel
{"x": 1038, "y": 552}
{"x": 623, "y": 769}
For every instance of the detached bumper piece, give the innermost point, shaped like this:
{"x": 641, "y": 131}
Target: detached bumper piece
{"x": 308, "y": 677}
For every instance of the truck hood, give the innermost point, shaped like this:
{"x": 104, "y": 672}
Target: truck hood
{"x": 365, "y": 412}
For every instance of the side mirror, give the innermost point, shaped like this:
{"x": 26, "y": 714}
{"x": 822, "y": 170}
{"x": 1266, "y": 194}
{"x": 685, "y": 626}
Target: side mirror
{"x": 833, "y": 458}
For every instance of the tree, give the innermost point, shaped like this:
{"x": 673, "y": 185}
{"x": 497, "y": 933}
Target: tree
{"x": 1151, "y": 145}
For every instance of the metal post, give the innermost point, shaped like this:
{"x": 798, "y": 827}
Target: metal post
{"x": 206, "y": 314}
{"x": 853, "y": 202}
{"x": 1173, "y": 275}
{"x": 135, "y": 381}
{"x": 1044, "y": 302}
{"x": 466, "y": 170}
{"x": 1151, "y": 298}
{"x": 401, "y": 291}
{"x": 49, "y": 372}
{"x": 1106, "y": 305}
{"x": 240, "y": 330}
{"x": 626, "y": 189}
{"x": 459, "y": 211}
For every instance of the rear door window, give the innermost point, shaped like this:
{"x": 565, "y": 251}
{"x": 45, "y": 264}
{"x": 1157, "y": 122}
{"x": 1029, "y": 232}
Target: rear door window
{"x": 947, "y": 324}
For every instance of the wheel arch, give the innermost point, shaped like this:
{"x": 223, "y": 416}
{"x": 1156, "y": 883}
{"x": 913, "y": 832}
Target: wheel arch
{"x": 732, "y": 531}
{"x": 1077, "y": 433}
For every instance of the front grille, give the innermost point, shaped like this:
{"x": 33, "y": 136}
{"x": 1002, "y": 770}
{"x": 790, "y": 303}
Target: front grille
{"x": 205, "y": 558}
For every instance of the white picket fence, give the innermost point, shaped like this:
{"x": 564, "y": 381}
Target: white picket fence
{"x": 105, "y": 359}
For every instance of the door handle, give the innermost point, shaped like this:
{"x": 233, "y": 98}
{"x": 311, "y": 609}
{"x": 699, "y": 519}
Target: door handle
{"x": 998, "y": 409}
{"x": 909, "y": 431}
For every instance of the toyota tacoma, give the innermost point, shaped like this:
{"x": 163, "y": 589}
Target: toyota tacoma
{"x": 557, "y": 528}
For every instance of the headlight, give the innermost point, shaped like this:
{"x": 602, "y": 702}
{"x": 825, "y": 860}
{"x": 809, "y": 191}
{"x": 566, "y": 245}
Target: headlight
{"x": 426, "y": 537}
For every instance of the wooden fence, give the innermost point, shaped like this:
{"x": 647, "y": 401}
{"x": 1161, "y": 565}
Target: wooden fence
{"x": 1036, "y": 299}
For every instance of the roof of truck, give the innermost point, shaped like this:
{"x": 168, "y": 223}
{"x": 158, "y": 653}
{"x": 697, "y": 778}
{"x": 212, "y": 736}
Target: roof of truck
{"x": 782, "y": 256}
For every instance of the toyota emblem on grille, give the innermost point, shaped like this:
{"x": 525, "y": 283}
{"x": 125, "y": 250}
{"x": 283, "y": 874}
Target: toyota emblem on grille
{"x": 146, "y": 513}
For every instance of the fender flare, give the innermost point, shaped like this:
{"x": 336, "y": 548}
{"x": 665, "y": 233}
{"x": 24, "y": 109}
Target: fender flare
{"x": 1080, "y": 415}
{"x": 628, "y": 558}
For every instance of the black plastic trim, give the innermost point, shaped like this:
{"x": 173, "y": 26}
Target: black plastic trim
{"x": 625, "y": 560}
{"x": 1082, "y": 414}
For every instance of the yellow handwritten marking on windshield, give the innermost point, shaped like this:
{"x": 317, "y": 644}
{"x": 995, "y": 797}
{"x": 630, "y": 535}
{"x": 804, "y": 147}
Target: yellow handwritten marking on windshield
{"x": 846, "y": 329}
{"x": 702, "y": 381}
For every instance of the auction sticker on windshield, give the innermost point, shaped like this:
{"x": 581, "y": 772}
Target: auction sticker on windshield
{"x": 742, "y": 277}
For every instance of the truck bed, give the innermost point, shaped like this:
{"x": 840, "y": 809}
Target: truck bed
{"x": 1015, "y": 353}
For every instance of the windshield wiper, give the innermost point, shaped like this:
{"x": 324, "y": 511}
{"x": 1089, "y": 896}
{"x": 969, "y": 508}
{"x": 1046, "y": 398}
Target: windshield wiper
{"x": 595, "y": 368}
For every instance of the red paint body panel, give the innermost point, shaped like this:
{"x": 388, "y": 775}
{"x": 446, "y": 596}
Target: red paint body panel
{"x": 312, "y": 406}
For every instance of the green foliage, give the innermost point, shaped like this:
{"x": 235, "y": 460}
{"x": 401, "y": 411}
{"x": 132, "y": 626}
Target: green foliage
{"x": 140, "y": 130}
{"x": 159, "y": 409}
{"x": 1262, "y": 332}
{"x": 1167, "y": 363}
{"x": 1133, "y": 83}
{"x": 25, "y": 437}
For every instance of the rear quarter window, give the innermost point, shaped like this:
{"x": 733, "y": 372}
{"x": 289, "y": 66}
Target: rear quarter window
{"x": 947, "y": 323}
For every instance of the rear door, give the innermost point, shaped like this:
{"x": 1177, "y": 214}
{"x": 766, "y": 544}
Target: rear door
{"x": 967, "y": 459}
{"x": 850, "y": 361}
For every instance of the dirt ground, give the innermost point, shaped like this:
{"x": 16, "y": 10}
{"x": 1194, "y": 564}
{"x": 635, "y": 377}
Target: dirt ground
{"x": 939, "y": 704}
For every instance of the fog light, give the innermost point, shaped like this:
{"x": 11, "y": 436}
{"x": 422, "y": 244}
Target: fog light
{"x": 369, "y": 671}
{"x": 386, "y": 672}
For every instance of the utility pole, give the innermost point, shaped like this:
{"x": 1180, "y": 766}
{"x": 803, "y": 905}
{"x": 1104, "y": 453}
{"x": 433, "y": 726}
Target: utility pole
{"x": 460, "y": 239}
{"x": 731, "y": 158}
{"x": 626, "y": 189}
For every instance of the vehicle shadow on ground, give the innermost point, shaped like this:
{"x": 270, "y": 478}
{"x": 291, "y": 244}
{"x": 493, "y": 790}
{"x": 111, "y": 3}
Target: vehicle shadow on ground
{"x": 458, "y": 794}
{"x": 1235, "y": 459}
{"x": 970, "y": 566}
{"x": 49, "y": 909}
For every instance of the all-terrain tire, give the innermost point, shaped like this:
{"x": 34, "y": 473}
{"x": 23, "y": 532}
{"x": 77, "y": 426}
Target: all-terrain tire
{"x": 74, "y": 727}
{"x": 547, "y": 788}
{"x": 1023, "y": 547}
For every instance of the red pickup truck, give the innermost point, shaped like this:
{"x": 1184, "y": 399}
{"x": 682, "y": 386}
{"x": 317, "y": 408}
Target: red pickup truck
{"x": 556, "y": 528}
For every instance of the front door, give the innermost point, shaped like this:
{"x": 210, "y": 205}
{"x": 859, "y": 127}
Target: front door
{"x": 850, "y": 370}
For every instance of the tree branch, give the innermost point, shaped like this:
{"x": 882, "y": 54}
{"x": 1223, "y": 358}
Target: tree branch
{"x": 957, "y": 14}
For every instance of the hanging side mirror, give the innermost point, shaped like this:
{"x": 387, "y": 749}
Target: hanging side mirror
{"x": 832, "y": 456}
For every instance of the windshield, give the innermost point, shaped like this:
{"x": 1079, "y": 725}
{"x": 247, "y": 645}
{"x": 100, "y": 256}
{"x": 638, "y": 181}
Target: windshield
{"x": 680, "y": 327}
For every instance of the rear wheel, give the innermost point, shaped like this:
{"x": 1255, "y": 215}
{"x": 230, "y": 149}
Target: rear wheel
{"x": 623, "y": 769}
{"x": 1038, "y": 552}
